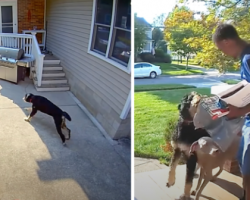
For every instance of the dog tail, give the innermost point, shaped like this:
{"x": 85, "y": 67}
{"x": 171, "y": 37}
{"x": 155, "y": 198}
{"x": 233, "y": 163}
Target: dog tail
{"x": 66, "y": 115}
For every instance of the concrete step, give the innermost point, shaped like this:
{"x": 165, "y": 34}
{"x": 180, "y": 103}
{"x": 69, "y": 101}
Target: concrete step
{"x": 50, "y": 67}
{"x": 51, "y": 73}
{"x": 51, "y": 62}
{"x": 52, "y": 87}
{"x": 52, "y": 80}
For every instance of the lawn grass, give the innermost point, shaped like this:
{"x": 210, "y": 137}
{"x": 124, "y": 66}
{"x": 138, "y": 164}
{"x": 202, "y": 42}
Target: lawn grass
{"x": 230, "y": 81}
{"x": 177, "y": 70}
{"x": 153, "y": 112}
{"x": 184, "y": 62}
{"x": 139, "y": 88}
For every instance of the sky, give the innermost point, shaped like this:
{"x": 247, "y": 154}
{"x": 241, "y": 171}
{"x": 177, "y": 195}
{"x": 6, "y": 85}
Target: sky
{"x": 149, "y": 9}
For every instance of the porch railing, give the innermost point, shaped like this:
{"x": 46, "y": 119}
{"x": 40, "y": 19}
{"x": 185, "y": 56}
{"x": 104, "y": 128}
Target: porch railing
{"x": 30, "y": 46}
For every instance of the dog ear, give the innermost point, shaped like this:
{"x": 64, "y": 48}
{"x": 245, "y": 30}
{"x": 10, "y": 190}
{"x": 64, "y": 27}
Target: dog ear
{"x": 194, "y": 147}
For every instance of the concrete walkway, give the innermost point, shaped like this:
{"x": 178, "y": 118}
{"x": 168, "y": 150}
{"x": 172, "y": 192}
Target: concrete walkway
{"x": 151, "y": 178}
{"x": 34, "y": 164}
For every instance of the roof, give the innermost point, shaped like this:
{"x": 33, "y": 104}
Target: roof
{"x": 142, "y": 21}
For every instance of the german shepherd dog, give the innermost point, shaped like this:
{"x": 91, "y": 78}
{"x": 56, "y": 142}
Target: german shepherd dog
{"x": 42, "y": 104}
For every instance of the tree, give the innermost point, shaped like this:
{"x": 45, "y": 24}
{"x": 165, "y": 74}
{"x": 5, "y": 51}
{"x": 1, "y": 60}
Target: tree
{"x": 139, "y": 36}
{"x": 162, "y": 44}
{"x": 159, "y": 20}
{"x": 157, "y": 35}
{"x": 177, "y": 31}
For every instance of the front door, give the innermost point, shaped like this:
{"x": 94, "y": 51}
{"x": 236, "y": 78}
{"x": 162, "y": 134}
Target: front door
{"x": 8, "y": 17}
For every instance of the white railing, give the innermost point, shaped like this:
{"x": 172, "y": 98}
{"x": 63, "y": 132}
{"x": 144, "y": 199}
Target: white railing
{"x": 30, "y": 46}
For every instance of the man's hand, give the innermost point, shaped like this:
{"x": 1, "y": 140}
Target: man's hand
{"x": 235, "y": 112}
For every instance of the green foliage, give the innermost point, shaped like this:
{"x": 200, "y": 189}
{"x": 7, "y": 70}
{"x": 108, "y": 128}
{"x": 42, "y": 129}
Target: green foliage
{"x": 139, "y": 36}
{"x": 159, "y": 53}
{"x": 148, "y": 57}
{"x": 157, "y": 35}
{"x": 177, "y": 31}
{"x": 162, "y": 44}
{"x": 188, "y": 35}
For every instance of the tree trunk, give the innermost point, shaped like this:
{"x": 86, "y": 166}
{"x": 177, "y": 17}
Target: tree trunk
{"x": 187, "y": 64}
{"x": 181, "y": 59}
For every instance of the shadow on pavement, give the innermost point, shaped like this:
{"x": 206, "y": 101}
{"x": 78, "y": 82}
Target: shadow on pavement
{"x": 99, "y": 169}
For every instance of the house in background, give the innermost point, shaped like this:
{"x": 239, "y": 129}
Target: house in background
{"x": 148, "y": 48}
{"x": 91, "y": 45}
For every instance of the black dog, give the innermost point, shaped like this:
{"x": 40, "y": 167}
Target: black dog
{"x": 42, "y": 104}
{"x": 182, "y": 139}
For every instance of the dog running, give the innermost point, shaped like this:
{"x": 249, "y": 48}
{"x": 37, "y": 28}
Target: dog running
{"x": 42, "y": 104}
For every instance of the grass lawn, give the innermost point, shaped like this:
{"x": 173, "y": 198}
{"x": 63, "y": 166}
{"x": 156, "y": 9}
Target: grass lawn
{"x": 230, "y": 81}
{"x": 175, "y": 70}
{"x": 190, "y": 62}
{"x": 139, "y": 88}
{"x": 154, "y": 110}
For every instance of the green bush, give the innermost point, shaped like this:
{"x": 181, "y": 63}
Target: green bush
{"x": 147, "y": 57}
{"x": 159, "y": 53}
{"x": 160, "y": 57}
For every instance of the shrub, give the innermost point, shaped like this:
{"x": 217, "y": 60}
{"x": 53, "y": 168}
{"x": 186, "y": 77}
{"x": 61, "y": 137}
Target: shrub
{"x": 147, "y": 57}
{"x": 159, "y": 53}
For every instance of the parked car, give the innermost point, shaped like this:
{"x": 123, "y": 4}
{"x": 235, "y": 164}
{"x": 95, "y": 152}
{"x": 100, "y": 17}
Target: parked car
{"x": 144, "y": 69}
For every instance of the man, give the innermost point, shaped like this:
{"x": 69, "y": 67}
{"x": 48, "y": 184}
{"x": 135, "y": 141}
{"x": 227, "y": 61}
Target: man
{"x": 228, "y": 41}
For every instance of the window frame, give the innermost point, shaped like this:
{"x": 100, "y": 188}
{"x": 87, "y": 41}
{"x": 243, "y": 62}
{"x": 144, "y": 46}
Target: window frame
{"x": 111, "y": 40}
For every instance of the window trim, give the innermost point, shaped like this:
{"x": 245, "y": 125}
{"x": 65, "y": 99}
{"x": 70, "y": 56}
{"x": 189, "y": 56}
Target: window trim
{"x": 106, "y": 57}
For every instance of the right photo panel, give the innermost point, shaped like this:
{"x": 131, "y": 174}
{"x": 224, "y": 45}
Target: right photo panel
{"x": 191, "y": 100}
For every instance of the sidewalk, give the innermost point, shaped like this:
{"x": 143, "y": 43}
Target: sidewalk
{"x": 151, "y": 178}
{"x": 36, "y": 166}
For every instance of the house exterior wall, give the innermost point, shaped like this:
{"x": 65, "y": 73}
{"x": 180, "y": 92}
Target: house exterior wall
{"x": 36, "y": 8}
{"x": 101, "y": 87}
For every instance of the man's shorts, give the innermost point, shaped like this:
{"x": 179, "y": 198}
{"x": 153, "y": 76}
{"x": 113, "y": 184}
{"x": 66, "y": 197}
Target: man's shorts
{"x": 244, "y": 151}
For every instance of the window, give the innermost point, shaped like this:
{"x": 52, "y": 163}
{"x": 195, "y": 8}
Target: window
{"x": 137, "y": 66}
{"x": 146, "y": 65}
{"x": 111, "y": 36}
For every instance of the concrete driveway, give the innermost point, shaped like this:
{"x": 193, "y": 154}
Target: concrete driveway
{"x": 35, "y": 166}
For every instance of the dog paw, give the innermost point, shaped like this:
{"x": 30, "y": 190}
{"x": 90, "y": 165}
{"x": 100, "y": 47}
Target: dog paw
{"x": 171, "y": 181}
{"x": 169, "y": 184}
{"x": 64, "y": 144}
{"x": 193, "y": 193}
{"x": 184, "y": 197}
{"x": 26, "y": 119}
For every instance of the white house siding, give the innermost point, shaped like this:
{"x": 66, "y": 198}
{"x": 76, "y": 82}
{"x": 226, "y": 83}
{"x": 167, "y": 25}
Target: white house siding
{"x": 100, "y": 86}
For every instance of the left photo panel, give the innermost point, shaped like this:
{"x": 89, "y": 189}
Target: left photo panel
{"x": 65, "y": 99}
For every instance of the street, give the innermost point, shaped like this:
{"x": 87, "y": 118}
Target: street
{"x": 196, "y": 80}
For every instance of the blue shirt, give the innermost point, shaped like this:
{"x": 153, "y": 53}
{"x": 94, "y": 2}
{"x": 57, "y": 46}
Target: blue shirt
{"x": 245, "y": 71}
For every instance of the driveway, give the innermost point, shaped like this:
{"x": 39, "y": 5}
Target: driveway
{"x": 34, "y": 164}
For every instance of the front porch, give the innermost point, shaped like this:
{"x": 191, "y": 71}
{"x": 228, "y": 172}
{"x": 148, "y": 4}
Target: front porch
{"x": 22, "y": 25}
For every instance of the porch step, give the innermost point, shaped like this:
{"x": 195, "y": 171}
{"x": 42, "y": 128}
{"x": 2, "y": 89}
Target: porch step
{"x": 52, "y": 87}
{"x": 52, "y": 80}
{"x": 51, "y": 62}
{"x": 51, "y": 73}
{"x": 50, "y": 67}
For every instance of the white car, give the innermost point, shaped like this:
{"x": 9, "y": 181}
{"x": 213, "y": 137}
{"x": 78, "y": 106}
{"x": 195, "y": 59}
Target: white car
{"x": 144, "y": 69}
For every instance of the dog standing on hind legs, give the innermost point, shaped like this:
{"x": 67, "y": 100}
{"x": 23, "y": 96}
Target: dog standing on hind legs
{"x": 42, "y": 104}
